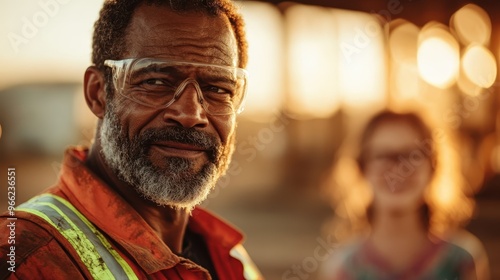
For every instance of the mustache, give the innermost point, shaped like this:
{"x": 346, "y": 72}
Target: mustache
{"x": 190, "y": 136}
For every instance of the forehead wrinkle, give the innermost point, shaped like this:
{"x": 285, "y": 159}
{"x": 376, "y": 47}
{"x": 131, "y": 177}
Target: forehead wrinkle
{"x": 222, "y": 51}
{"x": 215, "y": 53}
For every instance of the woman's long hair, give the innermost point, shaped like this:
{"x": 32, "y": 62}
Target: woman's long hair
{"x": 446, "y": 206}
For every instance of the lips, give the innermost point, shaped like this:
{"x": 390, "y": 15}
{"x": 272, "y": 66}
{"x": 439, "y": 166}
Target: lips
{"x": 177, "y": 149}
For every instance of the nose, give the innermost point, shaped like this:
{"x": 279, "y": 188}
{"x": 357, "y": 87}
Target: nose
{"x": 187, "y": 110}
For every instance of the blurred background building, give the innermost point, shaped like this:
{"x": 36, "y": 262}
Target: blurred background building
{"x": 318, "y": 70}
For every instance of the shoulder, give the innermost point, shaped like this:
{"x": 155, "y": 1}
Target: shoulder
{"x": 31, "y": 247}
{"x": 468, "y": 242}
{"x": 472, "y": 246}
{"x": 456, "y": 254}
{"x": 25, "y": 232}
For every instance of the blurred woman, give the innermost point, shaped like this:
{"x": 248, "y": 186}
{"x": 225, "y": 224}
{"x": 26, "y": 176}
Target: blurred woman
{"x": 410, "y": 234}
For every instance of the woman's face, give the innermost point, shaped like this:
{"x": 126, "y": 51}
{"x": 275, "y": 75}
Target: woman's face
{"x": 397, "y": 166}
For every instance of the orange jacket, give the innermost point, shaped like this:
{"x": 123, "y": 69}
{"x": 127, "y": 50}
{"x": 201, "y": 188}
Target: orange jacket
{"x": 41, "y": 252}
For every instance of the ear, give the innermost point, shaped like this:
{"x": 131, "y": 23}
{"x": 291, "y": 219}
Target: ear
{"x": 94, "y": 90}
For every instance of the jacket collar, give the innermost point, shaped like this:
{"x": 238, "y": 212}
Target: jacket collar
{"x": 115, "y": 217}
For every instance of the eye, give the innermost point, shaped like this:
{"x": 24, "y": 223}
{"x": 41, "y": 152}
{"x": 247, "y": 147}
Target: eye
{"x": 157, "y": 85}
{"x": 154, "y": 82}
{"x": 216, "y": 89}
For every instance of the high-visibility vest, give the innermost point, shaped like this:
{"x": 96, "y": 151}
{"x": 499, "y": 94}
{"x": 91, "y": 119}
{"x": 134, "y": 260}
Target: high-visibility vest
{"x": 94, "y": 250}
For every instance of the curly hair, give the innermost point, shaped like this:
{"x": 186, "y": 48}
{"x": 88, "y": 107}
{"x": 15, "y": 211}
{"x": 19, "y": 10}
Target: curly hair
{"x": 109, "y": 40}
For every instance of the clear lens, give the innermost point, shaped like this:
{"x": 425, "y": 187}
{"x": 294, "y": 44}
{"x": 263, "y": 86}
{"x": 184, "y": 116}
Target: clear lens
{"x": 158, "y": 83}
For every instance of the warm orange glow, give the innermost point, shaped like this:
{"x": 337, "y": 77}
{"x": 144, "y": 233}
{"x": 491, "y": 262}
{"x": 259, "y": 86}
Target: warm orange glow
{"x": 312, "y": 61}
{"x": 363, "y": 64}
{"x": 42, "y": 36}
{"x": 466, "y": 86}
{"x": 406, "y": 82}
{"x": 479, "y": 66}
{"x": 403, "y": 42}
{"x": 265, "y": 67}
{"x": 471, "y": 24}
{"x": 448, "y": 187}
{"x": 335, "y": 56}
{"x": 446, "y": 192}
{"x": 404, "y": 78}
{"x": 438, "y": 56}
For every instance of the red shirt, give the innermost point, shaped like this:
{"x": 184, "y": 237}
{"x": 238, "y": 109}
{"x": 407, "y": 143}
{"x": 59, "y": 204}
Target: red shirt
{"x": 42, "y": 253}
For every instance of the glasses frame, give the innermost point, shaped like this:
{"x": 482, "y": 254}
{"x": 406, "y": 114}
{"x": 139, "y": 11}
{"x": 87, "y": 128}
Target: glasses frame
{"x": 121, "y": 69}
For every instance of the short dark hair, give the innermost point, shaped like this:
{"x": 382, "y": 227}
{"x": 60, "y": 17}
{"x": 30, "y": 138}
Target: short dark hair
{"x": 109, "y": 41}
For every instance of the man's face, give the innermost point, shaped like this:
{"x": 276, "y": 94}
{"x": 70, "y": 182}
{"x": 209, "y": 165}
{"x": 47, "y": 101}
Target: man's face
{"x": 171, "y": 156}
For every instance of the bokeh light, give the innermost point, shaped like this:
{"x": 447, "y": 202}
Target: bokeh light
{"x": 335, "y": 58}
{"x": 265, "y": 66}
{"x": 362, "y": 59}
{"x": 403, "y": 41}
{"x": 405, "y": 81}
{"x": 312, "y": 58}
{"x": 471, "y": 24}
{"x": 479, "y": 66}
{"x": 46, "y": 42}
{"x": 438, "y": 56}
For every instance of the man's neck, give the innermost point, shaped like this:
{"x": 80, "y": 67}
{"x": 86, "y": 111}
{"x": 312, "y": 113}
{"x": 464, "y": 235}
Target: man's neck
{"x": 168, "y": 222}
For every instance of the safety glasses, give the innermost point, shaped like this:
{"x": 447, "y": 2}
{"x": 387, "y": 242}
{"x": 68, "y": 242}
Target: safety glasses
{"x": 158, "y": 83}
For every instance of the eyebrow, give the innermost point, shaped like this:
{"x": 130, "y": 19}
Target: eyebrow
{"x": 223, "y": 79}
{"x": 154, "y": 68}
{"x": 170, "y": 69}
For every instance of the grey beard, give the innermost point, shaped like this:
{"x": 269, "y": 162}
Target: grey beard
{"x": 178, "y": 185}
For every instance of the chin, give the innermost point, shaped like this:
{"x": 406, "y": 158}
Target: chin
{"x": 399, "y": 202}
{"x": 188, "y": 203}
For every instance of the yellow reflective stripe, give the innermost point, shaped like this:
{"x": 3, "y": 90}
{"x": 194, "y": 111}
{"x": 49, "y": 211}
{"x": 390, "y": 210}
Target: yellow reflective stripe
{"x": 102, "y": 261}
{"x": 86, "y": 251}
{"x": 250, "y": 270}
{"x": 124, "y": 265}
